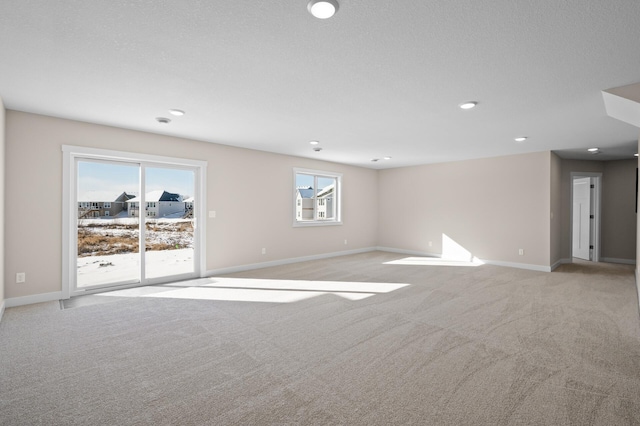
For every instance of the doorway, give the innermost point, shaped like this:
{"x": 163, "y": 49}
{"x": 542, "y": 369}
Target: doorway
{"x": 585, "y": 215}
{"x": 130, "y": 220}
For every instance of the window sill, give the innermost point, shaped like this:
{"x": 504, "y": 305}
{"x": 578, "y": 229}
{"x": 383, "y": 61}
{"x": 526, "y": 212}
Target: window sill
{"x": 305, "y": 224}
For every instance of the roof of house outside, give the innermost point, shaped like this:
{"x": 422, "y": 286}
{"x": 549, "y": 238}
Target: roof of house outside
{"x": 158, "y": 196}
{"x": 102, "y": 197}
{"x": 327, "y": 190}
{"x": 306, "y": 192}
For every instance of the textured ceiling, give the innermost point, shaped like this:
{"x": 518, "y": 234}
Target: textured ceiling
{"x": 380, "y": 78}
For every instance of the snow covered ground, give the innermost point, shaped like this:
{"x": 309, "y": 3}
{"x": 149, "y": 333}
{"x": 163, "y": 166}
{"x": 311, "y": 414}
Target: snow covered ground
{"x": 123, "y": 219}
{"x": 169, "y": 241}
{"x": 96, "y": 270}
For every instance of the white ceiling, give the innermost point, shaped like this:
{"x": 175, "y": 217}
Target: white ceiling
{"x": 380, "y": 78}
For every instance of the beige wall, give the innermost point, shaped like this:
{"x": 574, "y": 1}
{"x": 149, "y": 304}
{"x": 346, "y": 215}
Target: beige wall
{"x": 239, "y": 181}
{"x": 492, "y": 207}
{"x": 556, "y": 211}
{"x": 619, "y": 220}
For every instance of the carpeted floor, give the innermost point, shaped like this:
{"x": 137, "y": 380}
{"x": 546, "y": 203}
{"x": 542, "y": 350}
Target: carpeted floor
{"x": 456, "y": 345}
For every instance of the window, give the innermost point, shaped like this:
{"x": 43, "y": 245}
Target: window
{"x": 317, "y": 198}
{"x": 107, "y": 205}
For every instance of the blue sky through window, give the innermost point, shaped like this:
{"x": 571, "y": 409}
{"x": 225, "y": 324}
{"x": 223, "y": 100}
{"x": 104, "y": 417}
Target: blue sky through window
{"x": 105, "y": 181}
{"x": 307, "y": 180}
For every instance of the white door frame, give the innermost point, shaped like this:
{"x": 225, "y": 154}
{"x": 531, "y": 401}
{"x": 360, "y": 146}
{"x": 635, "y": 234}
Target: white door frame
{"x": 597, "y": 196}
{"x": 70, "y": 206}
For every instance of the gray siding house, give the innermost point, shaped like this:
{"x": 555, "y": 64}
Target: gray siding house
{"x": 304, "y": 203}
{"x": 93, "y": 208}
{"x": 158, "y": 204}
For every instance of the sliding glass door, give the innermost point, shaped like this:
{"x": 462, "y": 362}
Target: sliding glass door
{"x": 169, "y": 222}
{"x": 134, "y": 223}
{"x": 108, "y": 238}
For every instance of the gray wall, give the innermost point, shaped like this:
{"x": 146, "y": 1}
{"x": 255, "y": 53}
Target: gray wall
{"x": 555, "y": 238}
{"x": 618, "y": 221}
{"x": 2, "y": 202}
{"x": 638, "y": 240}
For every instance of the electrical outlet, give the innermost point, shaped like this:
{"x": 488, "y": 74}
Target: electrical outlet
{"x": 264, "y": 250}
{"x": 430, "y": 243}
{"x": 212, "y": 214}
{"x": 345, "y": 242}
{"x": 521, "y": 252}
{"x": 21, "y": 277}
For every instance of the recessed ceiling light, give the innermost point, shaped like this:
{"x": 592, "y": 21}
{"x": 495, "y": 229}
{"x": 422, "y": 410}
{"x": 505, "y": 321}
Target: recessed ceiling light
{"x": 387, "y": 158}
{"x": 593, "y": 149}
{"x": 163, "y": 120}
{"x": 314, "y": 142}
{"x": 468, "y": 105}
{"x": 521, "y": 139}
{"x": 176, "y": 112}
{"x": 323, "y": 9}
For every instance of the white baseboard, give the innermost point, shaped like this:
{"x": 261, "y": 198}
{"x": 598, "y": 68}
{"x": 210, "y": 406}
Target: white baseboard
{"x": 560, "y": 262}
{"x": 249, "y": 267}
{"x": 528, "y": 266}
{"x": 408, "y": 252}
{"x": 36, "y": 298}
{"x": 615, "y": 260}
{"x": 638, "y": 288}
{"x": 488, "y": 262}
{"x": 1, "y": 310}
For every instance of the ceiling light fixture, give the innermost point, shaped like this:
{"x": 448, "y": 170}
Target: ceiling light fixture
{"x": 635, "y": 155}
{"x": 468, "y": 105}
{"x": 374, "y": 160}
{"x": 387, "y": 158}
{"x": 323, "y": 9}
{"x": 593, "y": 149}
{"x": 521, "y": 139}
{"x": 163, "y": 120}
{"x": 314, "y": 142}
{"x": 176, "y": 112}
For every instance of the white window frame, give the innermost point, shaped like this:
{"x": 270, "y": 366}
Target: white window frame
{"x": 338, "y": 198}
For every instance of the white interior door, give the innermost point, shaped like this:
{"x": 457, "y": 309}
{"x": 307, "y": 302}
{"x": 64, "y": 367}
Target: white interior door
{"x": 582, "y": 218}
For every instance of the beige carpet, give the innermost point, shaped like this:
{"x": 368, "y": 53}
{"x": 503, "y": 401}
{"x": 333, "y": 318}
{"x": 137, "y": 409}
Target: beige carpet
{"x": 479, "y": 345}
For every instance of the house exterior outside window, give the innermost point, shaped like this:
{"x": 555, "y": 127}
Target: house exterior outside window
{"x": 317, "y": 198}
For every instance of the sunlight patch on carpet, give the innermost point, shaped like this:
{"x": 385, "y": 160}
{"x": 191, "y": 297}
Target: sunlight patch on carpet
{"x": 434, "y": 261}
{"x": 258, "y": 290}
